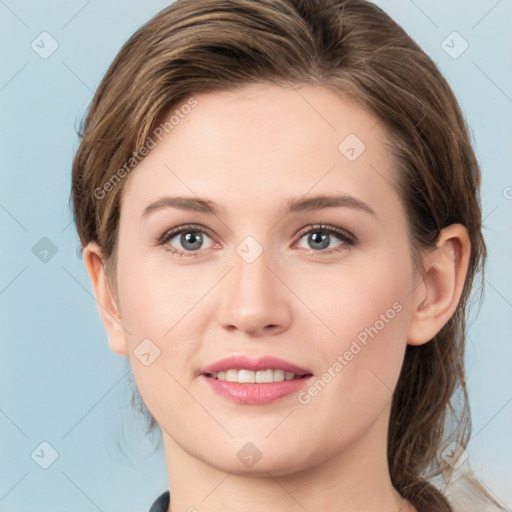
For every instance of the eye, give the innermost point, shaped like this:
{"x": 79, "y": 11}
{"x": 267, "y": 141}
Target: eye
{"x": 321, "y": 237}
{"x": 186, "y": 239}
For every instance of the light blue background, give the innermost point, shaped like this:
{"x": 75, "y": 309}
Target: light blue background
{"x": 60, "y": 382}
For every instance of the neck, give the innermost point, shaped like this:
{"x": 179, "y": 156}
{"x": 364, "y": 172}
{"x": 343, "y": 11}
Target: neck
{"x": 355, "y": 479}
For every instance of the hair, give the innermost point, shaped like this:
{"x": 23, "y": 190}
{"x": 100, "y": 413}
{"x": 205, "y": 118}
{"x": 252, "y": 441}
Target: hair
{"x": 351, "y": 47}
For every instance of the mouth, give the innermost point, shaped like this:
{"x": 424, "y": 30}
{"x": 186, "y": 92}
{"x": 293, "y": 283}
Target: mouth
{"x": 243, "y": 376}
{"x": 247, "y": 370}
{"x": 259, "y": 381}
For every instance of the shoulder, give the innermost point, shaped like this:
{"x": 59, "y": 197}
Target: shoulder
{"x": 161, "y": 504}
{"x": 465, "y": 494}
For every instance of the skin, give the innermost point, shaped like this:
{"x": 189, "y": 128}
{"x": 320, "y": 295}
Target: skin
{"x": 250, "y": 151}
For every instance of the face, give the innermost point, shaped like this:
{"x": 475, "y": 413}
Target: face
{"x": 266, "y": 225}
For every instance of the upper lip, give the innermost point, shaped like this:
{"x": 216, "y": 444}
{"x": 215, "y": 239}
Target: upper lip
{"x": 247, "y": 363}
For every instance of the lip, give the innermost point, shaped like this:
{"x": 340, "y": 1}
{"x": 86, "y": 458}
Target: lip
{"x": 247, "y": 363}
{"x": 255, "y": 393}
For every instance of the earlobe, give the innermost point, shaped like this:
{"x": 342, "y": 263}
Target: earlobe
{"x": 105, "y": 299}
{"x": 436, "y": 300}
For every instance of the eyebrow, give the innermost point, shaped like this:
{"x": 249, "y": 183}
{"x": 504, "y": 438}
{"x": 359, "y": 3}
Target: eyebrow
{"x": 295, "y": 205}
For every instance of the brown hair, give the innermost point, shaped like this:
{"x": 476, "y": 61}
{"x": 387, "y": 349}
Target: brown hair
{"x": 354, "y": 48}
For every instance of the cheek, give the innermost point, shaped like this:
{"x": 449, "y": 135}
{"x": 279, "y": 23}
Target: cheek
{"x": 155, "y": 301}
{"x": 367, "y": 312}
{"x": 366, "y": 301}
{"x": 170, "y": 307}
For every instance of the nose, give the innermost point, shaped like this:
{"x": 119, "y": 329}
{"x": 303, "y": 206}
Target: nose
{"x": 254, "y": 301}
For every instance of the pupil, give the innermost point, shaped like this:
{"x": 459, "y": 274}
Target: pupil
{"x": 321, "y": 239}
{"x": 191, "y": 241}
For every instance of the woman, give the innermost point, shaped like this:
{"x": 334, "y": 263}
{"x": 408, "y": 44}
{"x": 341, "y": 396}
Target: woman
{"x": 278, "y": 206}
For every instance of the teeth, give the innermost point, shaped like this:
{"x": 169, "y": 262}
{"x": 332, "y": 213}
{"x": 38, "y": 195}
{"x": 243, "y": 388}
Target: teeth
{"x": 250, "y": 377}
{"x": 232, "y": 375}
{"x": 265, "y": 376}
{"x": 245, "y": 376}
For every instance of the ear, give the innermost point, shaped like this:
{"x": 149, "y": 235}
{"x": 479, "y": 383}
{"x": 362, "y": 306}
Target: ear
{"x": 436, "y": 299}
{"x": 105, "y": 299}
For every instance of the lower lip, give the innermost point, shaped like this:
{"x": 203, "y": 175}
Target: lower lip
{"x": 255, "y": 394}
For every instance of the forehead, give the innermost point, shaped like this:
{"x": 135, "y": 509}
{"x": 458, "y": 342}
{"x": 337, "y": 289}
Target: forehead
{"x": 261, "y": 143}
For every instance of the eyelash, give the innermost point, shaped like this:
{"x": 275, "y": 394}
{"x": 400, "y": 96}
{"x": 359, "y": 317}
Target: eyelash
{"x": 348, "y": 240}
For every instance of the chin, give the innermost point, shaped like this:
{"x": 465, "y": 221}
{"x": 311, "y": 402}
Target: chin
{"x": 275, "y": 466}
